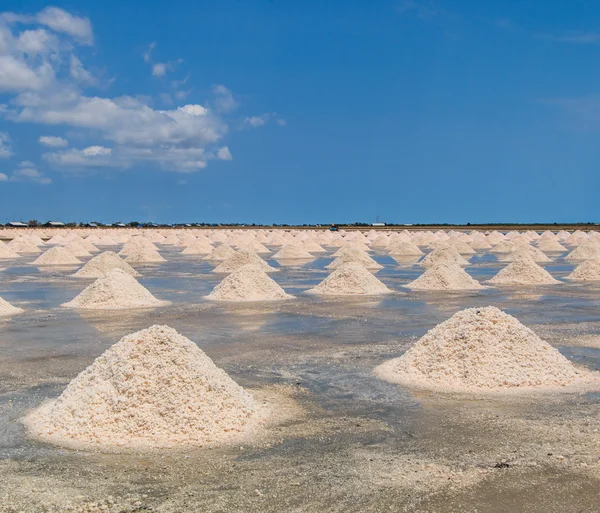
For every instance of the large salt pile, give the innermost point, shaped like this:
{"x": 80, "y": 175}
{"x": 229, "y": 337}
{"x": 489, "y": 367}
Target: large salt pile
{"x": 102, "y": 264}
{"x": 504, "y": 247}
{"x": 77, "y": 249}
{"x": 587, "y": 250}
{"x": 57, "y": 256}
{"x": 7, "y": 309}
{"x": 446, "y": 254}
{"x": 240, "y": 259}
{"x": 248, "y": 283}
{"x": 523, "y": 272}
{"x": 445, "y": 276}
{"x": 152, "y": 389}
{"x": 350, "y": 279}
{"x": 293, "y": 252}
{"x": 483, "y": 350}
{"x": 550, "y": 245}
{"x": 113, "y": 291}
{"x": 254, "y": 246}
{"x": 223, "y": 252}
{"x": 143, "y": 255}
{"x": 23, "y": 246}
{"x": 589, "y": 270}
{"x": 400, "y": 248}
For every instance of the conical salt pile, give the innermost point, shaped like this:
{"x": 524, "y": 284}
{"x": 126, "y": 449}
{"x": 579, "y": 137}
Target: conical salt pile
{"x": 7, "y": 309}
{"x": 400, "y": 248}
{"x": 255, "y": 247}
{"x": 152, "y": 389}
{"x": 223, "y": 252}
{"x": 293, "y": 252}
{"x": 550, "y": 246}
{"x": 57, "y": 256}
{"x": 350, "y": 279}
{"x": 102, "y": 264}
{"x": 504, "y": 247}
{"x": 443, "y": 255}
{"x": 143, "y": 255}
{"x": 483, "y": 350}
{"x": 76, "y": 249}
{"x": 113, "y": 291}
{"x": 526, "y": 251}
{"x": 248, "y": 283}
{"x": 589, "y": 270}
{"x": 7, "y": 253}
{"x": 523, "y": 272}
{"x": 445, "y": 276}
{"x": 356, "y": 257}
{"x": 586, "y": 251}
{"x": 198, "y": 248}
{"x": 240, "y": 259}
{"x": 23, "y": 246}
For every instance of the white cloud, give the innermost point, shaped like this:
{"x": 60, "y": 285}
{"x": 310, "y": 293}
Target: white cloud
{"x": 61, "y": 21}
{"x": 224, "y": 154}
{"x": 3, "y": 177}
{"x": 148, "y": 52}
{"x": 79, "y": 73}
{"x": 5, "y": 146}
{"x": 159, "y": 69}
{"x": 95, "y": 151}
{"x": 255, "y": 121}
{"x": 53, "y": 142}
{"x": 27, "y": 172}
{"x": 263, "y": 119}
{"x": 224, "y": 99}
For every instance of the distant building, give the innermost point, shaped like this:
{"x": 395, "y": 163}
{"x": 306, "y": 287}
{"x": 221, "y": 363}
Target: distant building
{"x": 54, "y": 224}
{"x": 120, "y": 225}
{"x": 17, "y": 224}
{"x": 378, "y": 224}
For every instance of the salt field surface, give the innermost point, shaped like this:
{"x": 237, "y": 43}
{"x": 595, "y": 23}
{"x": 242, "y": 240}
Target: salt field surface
{"x": 348, "y": 441}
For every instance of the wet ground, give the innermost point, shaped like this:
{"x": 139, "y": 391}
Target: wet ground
{"x": 353, "y": 444}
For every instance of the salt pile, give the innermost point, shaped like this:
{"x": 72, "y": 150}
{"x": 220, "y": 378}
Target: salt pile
{"x": 152, "y": 389}
{"x": 526, "y": 251}
{"x": 6, "y": 252}
{"x": 587, "y": 251}
{"x": 255, "y": 247}
{"x": 198, "y": 248}
{"x": 102, "y": 264}
{"x": 143, "y": 255}
{"x": 443, "y": 255}
{"x": 248, "y": 283}
{"x": 404, "y": 249}
{"x": 550, "y": 246}
{"x": 21, "y": 246}
{"x": 350, "y": 279}
{"x": 445, "y": 276}
{"x": 483, "y": 350}
{"x": 293, "y": 252}
{"x": 523, "y": 272}
{"x": 240, "y": 259}
{"x": 75, "y": 248}
{"x": 589, "y": 270}
{"x": 115, "y": 290}
{"x": 7, "y": 309}
{"x": 57, "y": 256}
{"x": 223, "y": 252}
{"x": 357, "y": 257}
{"x": 504, "y": 247}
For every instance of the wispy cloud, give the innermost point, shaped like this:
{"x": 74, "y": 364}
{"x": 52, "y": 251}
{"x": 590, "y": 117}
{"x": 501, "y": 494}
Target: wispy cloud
{"x": 26, "y": 172}
{"x": 421, "y": 8}
{"x": 582, "y": 38}
{"x": 5, "y": 146}
{"x": 583, "y": 113}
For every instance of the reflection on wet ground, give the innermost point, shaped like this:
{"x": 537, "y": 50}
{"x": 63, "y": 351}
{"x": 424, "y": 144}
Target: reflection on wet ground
{"x": 359, "y": 444}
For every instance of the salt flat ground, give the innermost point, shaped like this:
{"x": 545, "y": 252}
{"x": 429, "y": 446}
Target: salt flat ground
{"x": 355, "y": 443}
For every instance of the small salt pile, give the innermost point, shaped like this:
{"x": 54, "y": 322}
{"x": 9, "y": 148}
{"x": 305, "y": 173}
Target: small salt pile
{"x": 240, "y": 259}
{"x": 76, "y": 249}
{"x": 7, "y": 309}
{"x": 248, "y": 283}
{"x": 445, "y": 254}
{"x": 523, "y": 272}
{"x": 255, "y": 247}
{"x": 293, "y": 252}
{"x": 153, "y": 389}
{"x": 350, "y": 279}
{"x": 56, "y": 256}
{"x": 198, "y": 248}
{"x": 22, "y": 246}
{"x": 113, "y": 291}
{"x": 483, "y": 350}
{"x": 589, "y": 270}
{"x": 380, "y": 242}
{"x": 102, "y": 264}
{"x": 7, "y": 253}
{"x": 223, "y": 252}
{"x": 504, "y": 247}
{"x": 445, "y": 276}
{"x": 142, "y": 255}
{"x": 313, "y": 247}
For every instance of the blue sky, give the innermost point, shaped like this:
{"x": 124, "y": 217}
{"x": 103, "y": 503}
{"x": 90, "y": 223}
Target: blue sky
{"x": 300, "y": 112}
